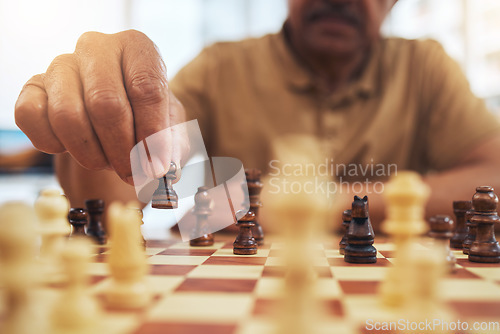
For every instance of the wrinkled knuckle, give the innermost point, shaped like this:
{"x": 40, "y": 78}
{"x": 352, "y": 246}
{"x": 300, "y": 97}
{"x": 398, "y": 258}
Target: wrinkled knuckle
{"x": 133, "y": 35}
{"x": 105, "y": 105}
{"x": 61, "y": 64}
{"x": 88, "y": 38}
{"x": 148, "y": 87}
{"x": 34, "y": 81}
{"x": 61, "y": 114}
{"x": 63, "y": 60}
{"x": 25, "y": 111}
{"x": 48, "y": 146}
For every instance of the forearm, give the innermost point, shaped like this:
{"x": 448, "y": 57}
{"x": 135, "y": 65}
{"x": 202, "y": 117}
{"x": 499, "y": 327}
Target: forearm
{"x": 459, "y": 184}
{"x": 80, "y": 184}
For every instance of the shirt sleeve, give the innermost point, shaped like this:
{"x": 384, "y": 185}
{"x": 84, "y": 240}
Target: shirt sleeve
{"x": 457, "y": 120}
{"x": 191, "y": 85}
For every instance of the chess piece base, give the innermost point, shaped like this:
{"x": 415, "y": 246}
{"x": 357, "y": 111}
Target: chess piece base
{"x": 128, "y": 296}
{"x": 355, "y": 259}
{"x": 245, "y": 251}
{"x": 164, "y": 204}
{"x": 360, "y": 255}
{"x": 485, "y": 253}
{"x": 206, "y": 240}
{"x": 484, "y": 259}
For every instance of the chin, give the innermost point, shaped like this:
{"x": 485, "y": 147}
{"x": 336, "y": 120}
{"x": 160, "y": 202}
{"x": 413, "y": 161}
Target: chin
{"x": 334, "y": 46}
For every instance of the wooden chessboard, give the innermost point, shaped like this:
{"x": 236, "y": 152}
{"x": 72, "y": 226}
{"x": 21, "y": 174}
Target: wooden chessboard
{"x": 210, "y": 290}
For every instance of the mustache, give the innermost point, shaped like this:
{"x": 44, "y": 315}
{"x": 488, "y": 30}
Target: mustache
{"x": 341, "y": 11}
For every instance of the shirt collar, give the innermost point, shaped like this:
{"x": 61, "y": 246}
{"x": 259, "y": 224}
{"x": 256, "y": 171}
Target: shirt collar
{"x": 299, "y": 78}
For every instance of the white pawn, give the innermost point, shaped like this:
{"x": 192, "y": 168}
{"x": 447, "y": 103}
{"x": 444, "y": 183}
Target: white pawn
{"x": 127, "y": 259}
{"x": 52, "y": 210}
{"x": 17, "y": 250}
{"x": 405, "y": 195}
{"x": 75, "y": 311}
{"x": 426, "y": 271}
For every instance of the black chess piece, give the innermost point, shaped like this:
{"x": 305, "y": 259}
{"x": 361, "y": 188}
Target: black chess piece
{"x": 165, "y": 196}
{"x": 254, "y": 190}
{"x": 245, "y": 243}
{"x": 485, "y": 248}
{"x": 360, "y": 236}
{"x": 460, "y": 208}
{"x": 202, "y": 210}
{"x": 346, "y": 221}
{"x": 95, "y": 229}
{"x": 471, "y": 236}
{"x": 78, "y": 219}
{"x": 441, "y": 229}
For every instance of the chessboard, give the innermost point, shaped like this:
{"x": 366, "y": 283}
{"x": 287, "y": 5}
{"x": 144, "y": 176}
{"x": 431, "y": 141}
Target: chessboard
{"x": 212, "y": 291}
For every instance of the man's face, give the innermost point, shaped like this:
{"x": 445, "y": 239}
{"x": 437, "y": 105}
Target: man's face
{"x": 337, "y": 27}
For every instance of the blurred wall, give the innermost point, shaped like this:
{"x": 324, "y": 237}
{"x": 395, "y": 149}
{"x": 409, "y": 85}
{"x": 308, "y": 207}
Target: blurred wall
{"x": 33, "y": 32}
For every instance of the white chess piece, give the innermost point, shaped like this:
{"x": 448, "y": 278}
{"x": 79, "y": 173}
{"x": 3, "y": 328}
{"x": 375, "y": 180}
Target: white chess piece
{"x": 127, "y": 260}
{"x": 52, "y": 210}
{"x": 406, "y": 195}
{"x": 75, "y": 311}
{"x": 17, "y": 250}
{"x": 300, "y": 215}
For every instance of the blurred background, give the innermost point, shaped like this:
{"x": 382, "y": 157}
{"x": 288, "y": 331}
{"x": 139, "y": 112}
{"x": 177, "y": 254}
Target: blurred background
{"x": 33, "y": 32}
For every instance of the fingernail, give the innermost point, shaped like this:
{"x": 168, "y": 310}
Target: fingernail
{"x": 158, "y": 167}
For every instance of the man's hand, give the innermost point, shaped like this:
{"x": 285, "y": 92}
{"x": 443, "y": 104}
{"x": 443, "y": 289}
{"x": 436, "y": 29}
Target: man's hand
{"x": 101, "y": 100}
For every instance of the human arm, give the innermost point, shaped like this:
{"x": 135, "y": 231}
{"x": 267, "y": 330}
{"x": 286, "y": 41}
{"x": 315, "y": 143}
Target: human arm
{"x": 92, "y": 106}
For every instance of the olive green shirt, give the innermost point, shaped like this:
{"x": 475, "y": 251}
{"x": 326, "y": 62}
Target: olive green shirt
{"x": 411, "y": 106}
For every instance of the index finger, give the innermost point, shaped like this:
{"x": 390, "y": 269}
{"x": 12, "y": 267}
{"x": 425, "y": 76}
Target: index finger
{"x": 145, "y": 78}
{"x": 106, "y": 99}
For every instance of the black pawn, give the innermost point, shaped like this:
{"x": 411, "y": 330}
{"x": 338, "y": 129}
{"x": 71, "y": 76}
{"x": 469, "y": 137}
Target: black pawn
{"x": 245, "y": 243}
{"x": 471, "y": 236}
{"x": 78, "y": 219}
{"x": 460, "y": 208}
{"x": 254, "y": 190}
{"x": 165, "y": 196}
{"x": 346, "y": 221}
{"x": 360, "y": 236}
{"x": 202, "y": 210}
{"x": 95, "y": 209}
{"x": 485, "y": 248}
{"x": 441, "y": 229}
